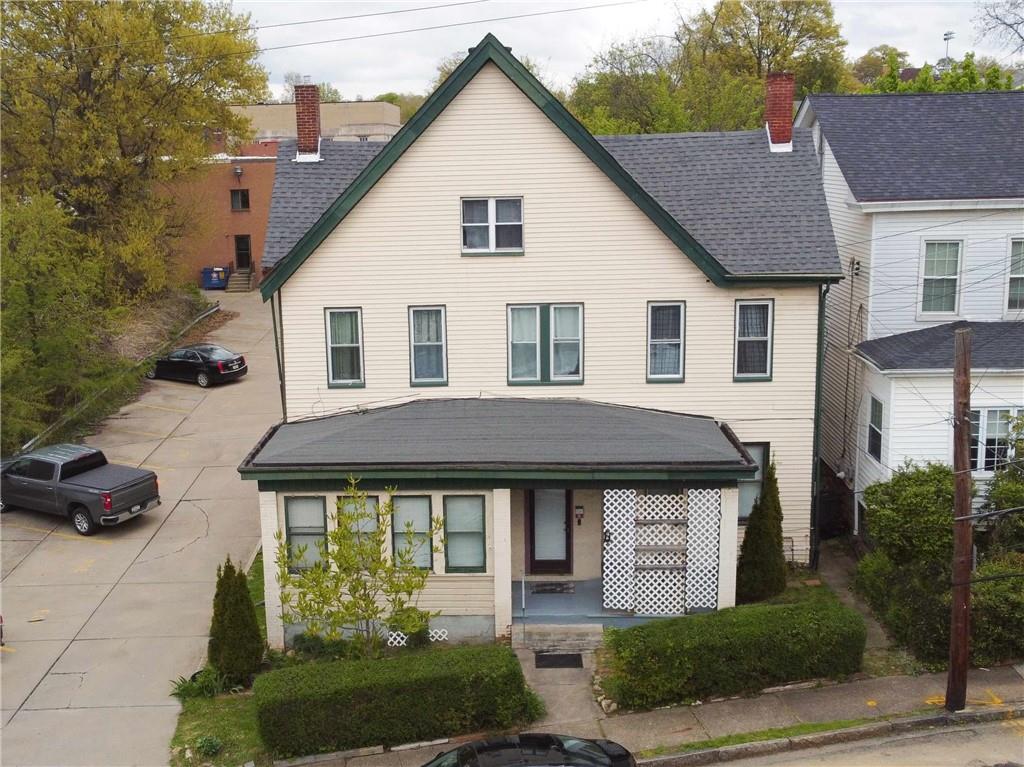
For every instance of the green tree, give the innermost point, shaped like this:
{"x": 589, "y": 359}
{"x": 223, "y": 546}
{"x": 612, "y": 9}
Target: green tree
{"x": 1006, "y": 491}
{"x": 872, "y": 64}
{"x": 357, "y": 587}
{"x": 761, "y": 572}
{"x": 408, "y": 103}
{"x": 448, "y": 64}
{"x": 235, "y": 648}
{"x": 961, "y": 77}
{"x": 327, "y": 90}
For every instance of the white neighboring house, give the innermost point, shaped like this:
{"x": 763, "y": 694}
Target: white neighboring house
{"x": 578, "y": 352}
{"x": 926, "y": 197}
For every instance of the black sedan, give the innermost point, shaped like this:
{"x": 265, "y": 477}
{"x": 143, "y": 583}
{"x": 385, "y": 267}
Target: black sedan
{"x": 203, "y": 364}
{"x": 535, "y": 749}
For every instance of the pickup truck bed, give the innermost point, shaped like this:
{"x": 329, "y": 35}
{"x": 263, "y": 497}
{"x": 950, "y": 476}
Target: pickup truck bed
{"x": 110, "y": 477}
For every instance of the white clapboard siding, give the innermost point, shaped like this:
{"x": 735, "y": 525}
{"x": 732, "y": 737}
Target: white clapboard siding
{"x": 870, "y": 469}
{"x": 585, "y": 242}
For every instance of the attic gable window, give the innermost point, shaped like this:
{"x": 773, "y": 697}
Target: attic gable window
{"x": 492, "y": 225}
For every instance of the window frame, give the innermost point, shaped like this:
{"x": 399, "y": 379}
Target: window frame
{"x": 976, "y": 454}
{"x": 537, "y": 310}
{"x": 288, "y": 527}
{"x": 545, "y": 345}
{"x": 770, "y": 338}
{"x": 1008, "y": 313}
{"x": 443, "y": 380}
{"x": 448, "y": 568}
{"x": 343, "y": 497}
{"x": 578, "y": 339}
{"x": 492, "y": 248}
{"x": 920, "y": 313}
{"x": 675, "y": 377}
{"x": 430, "y": 523}
{"x": 872, "y": 399}
{"x": 341, "y": 383}
{"x": 240, "y": 208}
{"x": 760, "y": 482}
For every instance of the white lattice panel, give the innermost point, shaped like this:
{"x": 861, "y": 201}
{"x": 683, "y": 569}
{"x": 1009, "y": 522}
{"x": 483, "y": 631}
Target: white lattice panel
{"x": 438, "y": 635}
{"x": 661, "y": 535}
{"x": 661, "y": 506}
{"x": 704, "y": 518}
{"x": 397, "y": 639}
{"x": 659, "y": 592}
{"x": 619, "y": 527}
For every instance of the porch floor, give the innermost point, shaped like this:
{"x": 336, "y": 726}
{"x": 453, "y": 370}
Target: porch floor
{"x": 584, "y": 605}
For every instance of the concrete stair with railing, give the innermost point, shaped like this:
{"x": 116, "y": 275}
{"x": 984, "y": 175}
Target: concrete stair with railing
{"x": 240, "y": 281}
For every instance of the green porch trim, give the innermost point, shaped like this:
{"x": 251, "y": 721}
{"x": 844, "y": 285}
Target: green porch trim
{"x": 490, "y": 50}
{"x": 334, "y": 485}
{"x": 484, "y": 477}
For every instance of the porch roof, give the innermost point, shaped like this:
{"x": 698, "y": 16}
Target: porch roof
{"x": 501, "y": 437}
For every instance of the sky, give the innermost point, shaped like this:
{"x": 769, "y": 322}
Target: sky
{"x": 563, "y": 43}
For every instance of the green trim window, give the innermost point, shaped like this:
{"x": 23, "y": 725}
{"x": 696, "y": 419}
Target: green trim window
{"x": 875, "y": 430}
{"x": 750, "y": 489}
{"x": 753, "y": 351}
{"x": 492, "y": 225}
{"x": 305, "y": 524}
{"x": 414, "y": 511}
{"x": 545, "y": 344}
{"x": 1015, "y": 290}
{"x": 428, "y": 353}
{"x": 566, "y": 342}
{"x": 344, "y": 346}
{"x": 941, "y": 277}
{"x": 369, "y": 523}
{"x": 665, "y": 323}
{"x": 524, "y": 343}
{"x": 239, "y": 199}
{"x": 465, "y": 537}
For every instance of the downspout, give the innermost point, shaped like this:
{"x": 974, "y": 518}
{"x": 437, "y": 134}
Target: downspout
{"x": 815, "y": 452}
{"x": 278, "y": 352}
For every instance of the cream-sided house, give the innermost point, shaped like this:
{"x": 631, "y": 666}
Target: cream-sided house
{"x": 578, "y": 351}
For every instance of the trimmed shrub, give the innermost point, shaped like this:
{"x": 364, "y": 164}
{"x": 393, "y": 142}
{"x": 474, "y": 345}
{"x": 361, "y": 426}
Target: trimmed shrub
{"x": 997, "y": 611}
{"x": 734, "y": 651}
{"x": 761, "y": 572}
{"x": 235, "y": 648}
{"x": 409, "y": 697}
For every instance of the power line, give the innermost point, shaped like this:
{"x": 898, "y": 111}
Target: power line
{"x": 920, "y": 229}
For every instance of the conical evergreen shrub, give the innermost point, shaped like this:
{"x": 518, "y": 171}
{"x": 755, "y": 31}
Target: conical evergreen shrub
{"x": 761, "y": 572}
{"x": 236, "y": 647}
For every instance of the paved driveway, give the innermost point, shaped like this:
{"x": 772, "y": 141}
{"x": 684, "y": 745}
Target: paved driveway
{"x": 97, "y": 627}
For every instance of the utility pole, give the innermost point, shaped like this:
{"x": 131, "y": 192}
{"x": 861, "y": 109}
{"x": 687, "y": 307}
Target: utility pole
{"x": 959, "y": 622}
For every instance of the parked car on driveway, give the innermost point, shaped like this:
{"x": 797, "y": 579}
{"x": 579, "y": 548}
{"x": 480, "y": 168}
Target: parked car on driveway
{"x": 77, "y": 482}
{"x": 535, "y": 749}
{"x": 203, "y": 364}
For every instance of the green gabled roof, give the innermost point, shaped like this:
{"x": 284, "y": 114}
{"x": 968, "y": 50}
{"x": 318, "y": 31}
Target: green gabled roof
{"x": 490, "y": 49}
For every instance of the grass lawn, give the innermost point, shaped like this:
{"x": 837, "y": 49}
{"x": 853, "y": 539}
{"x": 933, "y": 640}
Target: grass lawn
{"x": 232, "y": 718}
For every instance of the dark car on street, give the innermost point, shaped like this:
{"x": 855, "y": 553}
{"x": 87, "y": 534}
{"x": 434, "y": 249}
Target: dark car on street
{"x": 536, "y": 749}
{"x": 203, "y": 364}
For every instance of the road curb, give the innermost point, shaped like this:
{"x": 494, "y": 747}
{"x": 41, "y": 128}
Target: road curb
{"x": 831, "y": 737}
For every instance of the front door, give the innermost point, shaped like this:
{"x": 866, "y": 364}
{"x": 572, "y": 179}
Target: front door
{"x": 243, "y": 251}
{"x": 550, "y": 532}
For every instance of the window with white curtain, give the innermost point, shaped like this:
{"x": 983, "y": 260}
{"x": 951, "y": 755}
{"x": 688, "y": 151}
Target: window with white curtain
{"x": 750, "y": 489}
{"x": 524, "y": 343}
{"x": 566, "y": 342}
{"x": 545, "y": 343}
{"x": 940, "y": 277}
{"x": 753, "y": 352}
{"x": 990, "y": 437}
{"x": 305, "y": 525}
{"x": 1015, "y": 290}
{"x": 428, "y": 345}
{"x": 344, "y": 346}
{"x": 665, "y": 341}
{"x": 465, "y": 546}
{"x": 413, "y": 512}
{"x": 492, "y": 225}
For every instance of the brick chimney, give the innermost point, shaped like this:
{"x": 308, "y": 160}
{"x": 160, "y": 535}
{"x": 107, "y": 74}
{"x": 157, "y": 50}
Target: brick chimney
{"x": 780, "y": 89}
{"x": 307, "y": 117}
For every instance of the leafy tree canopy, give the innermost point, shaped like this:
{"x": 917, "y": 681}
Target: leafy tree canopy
{"x": 872, "y": 64}
{"x": 327, "y": 91}
{"x": 408, "y": 103}
{"x": 960, "y": 77}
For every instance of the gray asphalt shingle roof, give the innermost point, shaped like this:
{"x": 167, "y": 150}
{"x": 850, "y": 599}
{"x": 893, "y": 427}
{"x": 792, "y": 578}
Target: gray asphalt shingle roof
{"x": 524, "y": 433}
{"x": 927, "y": 146}
{"x": 755, "y": 211}
{"x": 997, "y": 345}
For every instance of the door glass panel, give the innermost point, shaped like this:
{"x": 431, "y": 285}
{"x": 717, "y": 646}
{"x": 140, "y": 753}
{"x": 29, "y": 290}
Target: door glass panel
{"x": 549, "y": 525}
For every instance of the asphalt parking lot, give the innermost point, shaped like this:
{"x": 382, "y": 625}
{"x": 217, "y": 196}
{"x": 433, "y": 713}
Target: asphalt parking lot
{"x": 96, "y": 628}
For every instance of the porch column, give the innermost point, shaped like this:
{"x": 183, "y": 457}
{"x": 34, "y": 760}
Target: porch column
{"x": 270, "y": 524}
{"x": 727, "y": 547}
{"x": 502, "y": 514}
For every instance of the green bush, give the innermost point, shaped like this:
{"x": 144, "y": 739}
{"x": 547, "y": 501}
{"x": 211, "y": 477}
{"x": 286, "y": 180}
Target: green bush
{"x": 409, "y": 697}
{"x": 761, "y": 571}
{"x": 316, "y": 647}
{"x": 997, "y": 611}
{"x": 235, "y": 648}
{"x": 203, "y": 684}
{"x": 209, "y": 745}
{"x": 734, "y": 651}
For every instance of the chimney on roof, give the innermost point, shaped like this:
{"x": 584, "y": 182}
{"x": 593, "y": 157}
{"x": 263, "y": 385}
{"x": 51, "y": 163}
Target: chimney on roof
{"x": 780, "y": 89}
{"x": 307, "y": 117}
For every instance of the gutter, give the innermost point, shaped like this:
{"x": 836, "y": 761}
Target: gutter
{"x": 816, "y": 449}
{"x": 882, "y": 206}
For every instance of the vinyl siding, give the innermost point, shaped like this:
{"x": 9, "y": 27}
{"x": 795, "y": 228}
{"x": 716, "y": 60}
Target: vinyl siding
{"x": 584, "y": 242}
{"x": 869, "y": 469}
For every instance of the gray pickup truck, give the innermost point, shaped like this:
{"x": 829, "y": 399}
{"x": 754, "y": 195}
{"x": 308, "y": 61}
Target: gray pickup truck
{"x": 77, "y": 482}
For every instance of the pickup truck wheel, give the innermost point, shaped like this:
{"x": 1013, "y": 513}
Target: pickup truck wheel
{"x": 82, "y": 521}
{"x": 203, "y": 380}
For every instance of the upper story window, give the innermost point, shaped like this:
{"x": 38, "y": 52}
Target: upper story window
{"x": 1015, "y": 290}
{"x": 875, "y": 430}
{"x": 427, "y": 345}
{"x": 665, "y": 323}
{"x": 239, "y": 199}
{"x": 990, "y": 437}
{"x": 492, "y": 225}
{"x": 344, "y": 347}
{"x": 545, "y": 343}
{"x": 753, "y": 352}
{"x": 940, "y": 277}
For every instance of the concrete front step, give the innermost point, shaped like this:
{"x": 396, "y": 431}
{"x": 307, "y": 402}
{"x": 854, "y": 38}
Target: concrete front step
{"x": 544, "y": 637}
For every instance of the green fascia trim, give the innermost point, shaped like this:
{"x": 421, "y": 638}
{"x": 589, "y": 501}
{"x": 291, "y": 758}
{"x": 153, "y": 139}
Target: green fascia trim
{"x": 333, "y": 485}
{"x": 762, "y": 280}
{"x": 491, "y": 50}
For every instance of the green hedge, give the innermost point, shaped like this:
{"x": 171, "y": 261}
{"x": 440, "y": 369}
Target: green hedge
{"x": 339, "y": 705}
{"x": 734, "y": 651}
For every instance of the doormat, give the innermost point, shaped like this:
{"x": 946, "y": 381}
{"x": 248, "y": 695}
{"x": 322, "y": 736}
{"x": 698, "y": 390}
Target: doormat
{"x": 553, "y": 587}
{"x": 558, "y": 660}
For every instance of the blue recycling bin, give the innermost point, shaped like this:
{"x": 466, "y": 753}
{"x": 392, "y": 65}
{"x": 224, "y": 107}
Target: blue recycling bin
{"x": 215, "y": 277}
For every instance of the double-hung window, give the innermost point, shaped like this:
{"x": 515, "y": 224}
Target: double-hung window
{"x": 545, "y": 343}
{"x": 344, "y": 347}
{"x": 465, "y": 546}
{"x": 940, "y": 277}
{"x": 665, "y": 323}
{"x": 753, "y": 352}
{"x": 492, "y": 225}
{"x": 990, "y": 437}
{"x": 412, "y": 513}
{"x": 750, "y": 489}
{"x": 875, "y": 430}
{"x": 305, "y": 524}
{"x": 1015, "y": 290}
{"x": 427, "y": 345}
{"x": 366, "y": 520}
{"x": 239, "y": 199}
